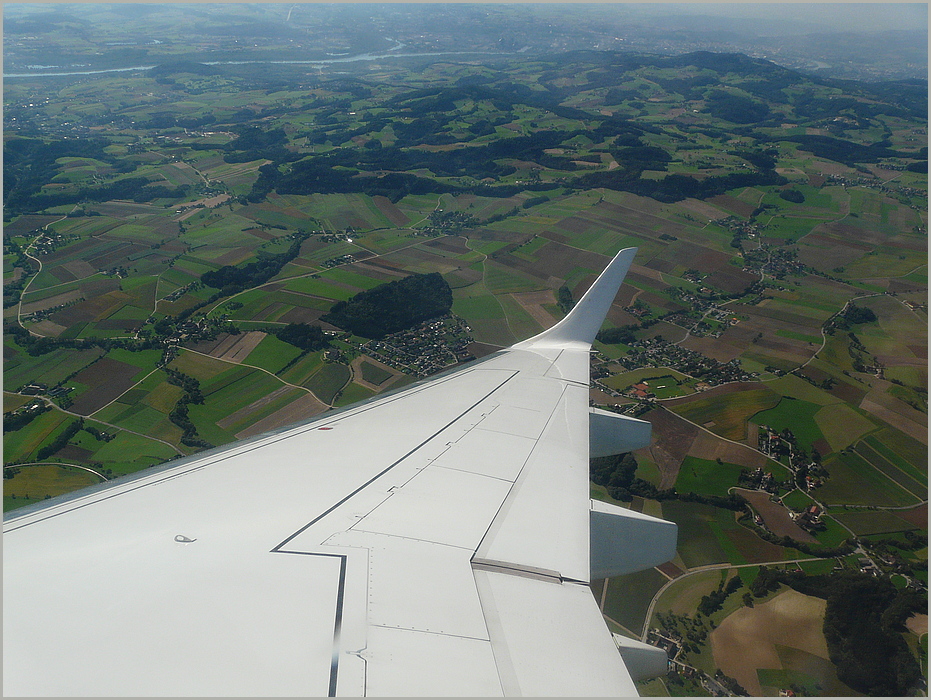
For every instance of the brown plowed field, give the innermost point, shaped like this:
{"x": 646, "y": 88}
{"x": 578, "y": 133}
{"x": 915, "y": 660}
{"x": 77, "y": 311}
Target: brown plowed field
{"x": 642, "y": 273}
{"x": 726, "y": 201}
{"x": 557, "y": 260}
{"x": 234, "y": 256}
{"x": 381, "y": 273}
{"x": 670, "y": 570}
{"x": 74, "y": 453}
{"x": 79, "y": 268}
{"x": 900, "y": 286}
{"x": 578, "y": 291}
{"x": 708, "y": 446}
{"x": 781, "y": 315}
{"x": 701, "y": 208}
{"x": 301, "y": 314}
{"x": 393, "y": 214}
{"x": 108, "y": 379}
{"x": 242, "y": 346}
{"x": 672, "y": 438}
{"x": 714, "y": 348}
{"x": 730, "y": 279}
{"x": 246, "y": 411}
{"x": 302, "y": 408}
{"x": 775, "y": 517}
{"x": 533, "y": 302}
{"x": 847, "y": 392}
{"x": 208, "y": 346}
{"x": 756, "y": 638}
{"x": 660, "y": 265}
{"x": 28, "y": 224}
{"x": 119, "y": 209}
{"x": 481, "y": 349}
{"x": 49, "y": 302}
{"x": 603, "y": 399}
{"x": 619, "y": 317}
{"x": 449, "y": 244}
{"x": 917, "y": 430}
{"x": 120, "y": 255}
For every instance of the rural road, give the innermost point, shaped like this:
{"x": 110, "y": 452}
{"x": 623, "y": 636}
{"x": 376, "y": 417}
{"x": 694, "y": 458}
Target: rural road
{"x": 701, "y": 569}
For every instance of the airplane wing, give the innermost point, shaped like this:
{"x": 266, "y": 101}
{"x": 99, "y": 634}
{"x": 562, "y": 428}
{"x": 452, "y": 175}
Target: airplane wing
{"x": 434, "y": 541}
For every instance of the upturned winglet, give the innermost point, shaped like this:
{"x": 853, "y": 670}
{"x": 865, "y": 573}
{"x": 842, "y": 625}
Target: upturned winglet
{"x": 584, "y": 321}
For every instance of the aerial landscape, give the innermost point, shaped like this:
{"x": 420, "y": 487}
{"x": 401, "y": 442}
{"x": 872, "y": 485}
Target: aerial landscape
{"x": 223, "y": 219}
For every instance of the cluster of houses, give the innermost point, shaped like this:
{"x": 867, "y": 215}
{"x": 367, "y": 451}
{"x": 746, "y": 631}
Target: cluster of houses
{"x": 37, "y": 388}
{"x": 48, "y": 241}
{"x": 876, "y": 184}
{"x": 639, "y": 391}
{"x": 760, "y": 480}
{"x": 427, "y": 349}
{"x": 773, "y": 444}
{"x": 659, "y": 352}
{"x": 341, "y": 260}
{"x": 808, "y": 518}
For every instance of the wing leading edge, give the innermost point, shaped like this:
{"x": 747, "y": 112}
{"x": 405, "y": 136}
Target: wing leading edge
{"x": 437, "y": 541}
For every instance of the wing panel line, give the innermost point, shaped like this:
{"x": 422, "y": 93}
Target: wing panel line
{"x": 506, "y": 502}
{"x": 392, "y": 465}
{"x": 334, "y": 662}
{"x": 338, "y": 617}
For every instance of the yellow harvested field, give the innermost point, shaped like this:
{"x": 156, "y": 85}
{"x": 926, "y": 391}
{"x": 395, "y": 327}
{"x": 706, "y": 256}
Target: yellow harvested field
{"x": 746, "y": 640}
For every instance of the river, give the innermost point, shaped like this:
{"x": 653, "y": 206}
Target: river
{"x": 348, "y": 59}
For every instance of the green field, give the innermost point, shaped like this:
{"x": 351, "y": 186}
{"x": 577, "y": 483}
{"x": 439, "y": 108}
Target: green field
{"x": 663, "y": 382}
{"x": 683, "y": 596}
{"x": 707, "y": 476}
{"x": 629, "y": 596}
{"x": 727, "y": 415}
{"x": 374, "y": 374}
{"x": 795, "y": 415}
{"x": 272, "y": 354}
{"x": 36, "y": 482}
{"x": 21, "y": 445}
{"x": 328, "y": 380}
{"x": 353, "y": 393}
{"x": 873, "y": 522}
{"x": 854, "y": 481}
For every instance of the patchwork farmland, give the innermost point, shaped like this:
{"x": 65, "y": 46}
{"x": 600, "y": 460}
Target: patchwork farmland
{"x": 170, "y": 267}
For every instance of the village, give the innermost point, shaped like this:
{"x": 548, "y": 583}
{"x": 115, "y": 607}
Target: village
{"x": 429, "y": 348}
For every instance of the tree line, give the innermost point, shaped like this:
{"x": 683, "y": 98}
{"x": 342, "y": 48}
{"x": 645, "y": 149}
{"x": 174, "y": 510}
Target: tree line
{"x": 863, "y": 624}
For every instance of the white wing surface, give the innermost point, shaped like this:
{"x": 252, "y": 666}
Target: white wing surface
{"x": 435, "y": 541}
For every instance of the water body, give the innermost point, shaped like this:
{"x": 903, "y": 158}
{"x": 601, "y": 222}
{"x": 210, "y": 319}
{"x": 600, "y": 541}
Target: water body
{"x": 348, "y": 59}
